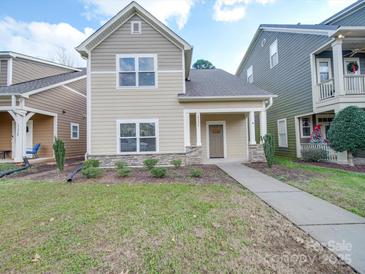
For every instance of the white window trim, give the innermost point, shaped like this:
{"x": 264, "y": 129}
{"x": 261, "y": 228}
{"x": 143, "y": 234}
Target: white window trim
{"x": 351, "y": 59}
{"x": 272, "y": 54}
{"x": 329, "y": 61}
{"x": 78, "y": 131}
{"x": 286, "y": 133}
{"x": 136, "y": 56}
{"x": 219, "y": 123}
{"x": 137, "y": 122}
{"x": 139, "y": 27}
{"x": 301, "y": 127}
{"x": 249, "y": 73}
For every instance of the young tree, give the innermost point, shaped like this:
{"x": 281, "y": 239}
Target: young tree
{"x": 60, "y": 153}
{"x": 203, "y": 64}
{"x": 269, "y": 149}
{"x": 347, "y": 132}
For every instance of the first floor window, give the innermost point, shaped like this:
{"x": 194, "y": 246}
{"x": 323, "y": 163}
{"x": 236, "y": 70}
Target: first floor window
{"x": 75, "y": 131}
{"x": 306, "y": 124}
{"x": 138, "y": 136}
{"x": 282, "y": 133}
{"x": 137, "y": 70}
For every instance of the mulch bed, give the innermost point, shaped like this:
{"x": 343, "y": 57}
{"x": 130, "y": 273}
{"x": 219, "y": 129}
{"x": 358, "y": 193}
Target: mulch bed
{"x": 357, "y": 168}
{"x": 211, "y": 174}
{"x": 285, "y": 174}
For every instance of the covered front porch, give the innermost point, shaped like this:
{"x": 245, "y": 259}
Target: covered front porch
{"x": 225, "y": 134}
{"x": 21, "y": 130}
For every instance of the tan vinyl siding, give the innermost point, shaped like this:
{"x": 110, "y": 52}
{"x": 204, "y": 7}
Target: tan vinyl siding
{"x": 27, "y": 70}
{"x": 108, "y": 105}
{"x": 5, "y": 101}
{"x": 3, "y": 72}
{"x": 59, "y": 100}
{"x": 236, "y": 134}
{"x": 123, "y": 42}
{"x": 80, "y": 86}
{"x": 5, "y": 131}
{"x": 43, "y": 134}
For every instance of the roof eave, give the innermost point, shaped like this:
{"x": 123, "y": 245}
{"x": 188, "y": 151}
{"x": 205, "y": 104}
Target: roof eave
{"x": 225, "y": 98}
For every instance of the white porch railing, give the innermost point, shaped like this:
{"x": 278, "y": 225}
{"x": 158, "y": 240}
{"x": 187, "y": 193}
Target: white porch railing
{"x": 355, "y": 84}
{"x": 327, "y": 89}
{"x": 331, "y": 155}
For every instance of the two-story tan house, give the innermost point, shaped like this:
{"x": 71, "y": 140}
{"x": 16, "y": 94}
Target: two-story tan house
{"x": 40, "y": 100}
{"x": 145, "y": 101}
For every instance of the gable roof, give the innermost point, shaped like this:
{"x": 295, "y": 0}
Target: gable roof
{"x": 217, "y": 83}
{"x": 42, "y": 83}
{"x": 345, "y": 12}
{"x": 12, "y": 54}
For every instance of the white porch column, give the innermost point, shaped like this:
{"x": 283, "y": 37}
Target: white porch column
{"x": 252, "y": 128}
{"x": 187, "y": 129}
{"x": 198, "y": 130}
{"x": 338, "y": 67}
{"x": 263, "y": 124}
{"x": 20, "y": 141}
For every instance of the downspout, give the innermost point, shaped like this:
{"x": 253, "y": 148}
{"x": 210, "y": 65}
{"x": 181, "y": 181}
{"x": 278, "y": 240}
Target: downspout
{"x": 270, "y": 104}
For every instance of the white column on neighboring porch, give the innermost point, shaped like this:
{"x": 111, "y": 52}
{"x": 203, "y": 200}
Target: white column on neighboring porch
{"x": 251, "y": 119}
{"x": 263, "y": 124}
{"x": 187, "y": 129}
{"x": 20, "y": 139}
{"x": 198, "y": 130}
{"x": 338, "y": 67}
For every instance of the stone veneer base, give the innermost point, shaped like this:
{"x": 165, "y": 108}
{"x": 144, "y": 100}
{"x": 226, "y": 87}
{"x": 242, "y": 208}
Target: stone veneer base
{"x": 192, "y": 156}
{"x": 256, "y": 153}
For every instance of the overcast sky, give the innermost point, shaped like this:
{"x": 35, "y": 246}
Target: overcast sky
{"x": 219, "y": 30}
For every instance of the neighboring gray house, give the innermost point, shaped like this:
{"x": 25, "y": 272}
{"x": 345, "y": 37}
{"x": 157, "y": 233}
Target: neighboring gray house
{"x": 144, "y": 101}
{"x": 316, "y": 70}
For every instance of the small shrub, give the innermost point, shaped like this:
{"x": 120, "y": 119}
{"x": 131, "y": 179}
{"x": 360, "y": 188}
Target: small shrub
{"x": 121, "y": 164}
{"x": 196, "y": 172}
{"x": 176, "y": 163}
{"x": 150, "y": 163}
{"x": 158, "y": 172}
{"x": 60, "y": 153}
{"x": 91, "y": 172}
{"x": 124, "y": 172}
{"x": 269, "y": 149}
{"x": 91, "y": 163}
{"x": 314, "y": 154}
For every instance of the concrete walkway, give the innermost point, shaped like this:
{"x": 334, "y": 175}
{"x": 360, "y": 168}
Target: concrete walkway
{"x": 325, "y": 222}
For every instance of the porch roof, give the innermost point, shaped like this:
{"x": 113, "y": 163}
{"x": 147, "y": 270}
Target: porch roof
{"x": 217, "y": 83}
{"x": 42, "y": 83}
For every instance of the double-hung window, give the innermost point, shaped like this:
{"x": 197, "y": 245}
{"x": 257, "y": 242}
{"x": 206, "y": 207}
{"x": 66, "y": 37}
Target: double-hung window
{"x": 137, "y": 71}
{"x": 306, "y": 125}
{"x": 282, "y": 133}
{"x": 250, "y": 75}
{"x": 274, "y": 56}
{"x": 137, "y": 136}
{"x": 75, "y": 131}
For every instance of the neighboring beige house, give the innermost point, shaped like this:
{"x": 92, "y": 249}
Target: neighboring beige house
{"x": 40, "y": 100}
{"x": 144, "y": 100}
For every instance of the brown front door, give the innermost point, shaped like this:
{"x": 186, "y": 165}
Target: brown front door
{"x": 216, "y": 146}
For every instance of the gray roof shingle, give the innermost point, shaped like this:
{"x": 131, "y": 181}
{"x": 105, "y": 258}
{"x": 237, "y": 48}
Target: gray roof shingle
{"x": 24, "y": 87}
{"x": 300, "y": 26}
{"x": 219, "y": 83}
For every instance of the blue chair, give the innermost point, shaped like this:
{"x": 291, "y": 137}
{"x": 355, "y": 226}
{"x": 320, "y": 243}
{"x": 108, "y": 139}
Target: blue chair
{"x": 34, "y": 151}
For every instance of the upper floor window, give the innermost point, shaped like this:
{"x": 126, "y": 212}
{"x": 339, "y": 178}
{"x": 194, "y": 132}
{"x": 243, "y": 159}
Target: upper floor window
{"x": 274, "y": 56}
{"x": 282, "y": 133}
{"x": 136, "y": 27}
{"x": 250, "y": 75}
{"x": 137, "y": 71}
{"x": 324, "y": 69}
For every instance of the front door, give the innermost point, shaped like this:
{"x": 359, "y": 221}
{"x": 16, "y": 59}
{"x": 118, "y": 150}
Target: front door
{"x": 216, "y": 142}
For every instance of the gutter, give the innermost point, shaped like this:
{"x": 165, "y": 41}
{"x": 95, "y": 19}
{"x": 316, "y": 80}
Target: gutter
{"x": 224, "y": 98}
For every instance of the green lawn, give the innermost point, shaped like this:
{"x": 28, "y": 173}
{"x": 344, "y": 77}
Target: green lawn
{"x": 343, "y": 188}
